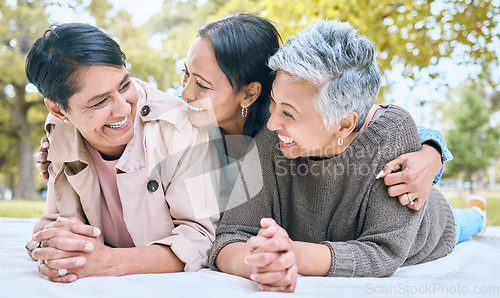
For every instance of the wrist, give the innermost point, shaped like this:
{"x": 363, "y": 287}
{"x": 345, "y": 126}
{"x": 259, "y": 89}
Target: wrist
{"x": 295, "y": 248}
{"x": 434, "y": 157}
{"x": 432, "y": 146}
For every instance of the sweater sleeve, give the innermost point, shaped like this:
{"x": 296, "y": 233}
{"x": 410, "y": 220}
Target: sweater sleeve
{"x": 388, "y": 228}
{"x": 385, "y": 242}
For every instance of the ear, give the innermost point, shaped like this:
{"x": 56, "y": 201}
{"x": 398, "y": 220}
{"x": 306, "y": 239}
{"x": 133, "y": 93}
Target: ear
{"x": 250, "y": 94}
{"x": 55, "y": 109}
{"x": 347, "y": 125}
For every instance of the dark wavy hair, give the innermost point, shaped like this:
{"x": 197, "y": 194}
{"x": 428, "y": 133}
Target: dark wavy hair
{"x": 243, "y": 44}
{"x": 54, "y": 60}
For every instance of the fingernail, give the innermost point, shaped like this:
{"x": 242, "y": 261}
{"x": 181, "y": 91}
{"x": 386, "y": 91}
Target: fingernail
{"x": 72, "y": 278}
{"x": 62, "y": 219}
{"x": 379, "y": 174}
{"x": 96, "y": 231}
{"x": 246, "y": 261}
{"x": 253, "y": 276}
{"x": 34, "y": 236}
{"x": 87, "y": 246}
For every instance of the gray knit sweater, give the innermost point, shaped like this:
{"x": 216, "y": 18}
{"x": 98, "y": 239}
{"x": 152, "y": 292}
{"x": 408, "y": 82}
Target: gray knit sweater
{"x": 338, "y": 202}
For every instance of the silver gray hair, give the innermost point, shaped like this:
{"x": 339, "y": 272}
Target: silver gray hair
{"x": 341, "y": 63}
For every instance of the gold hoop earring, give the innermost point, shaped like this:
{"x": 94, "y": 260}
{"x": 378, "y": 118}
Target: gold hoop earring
{"x": 244, "y": 112}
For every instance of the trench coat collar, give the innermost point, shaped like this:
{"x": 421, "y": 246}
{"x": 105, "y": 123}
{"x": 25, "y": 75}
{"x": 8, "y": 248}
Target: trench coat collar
{"x": 66, "y": 142}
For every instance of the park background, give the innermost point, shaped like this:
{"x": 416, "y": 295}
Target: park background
{"x": 440, "y": 61}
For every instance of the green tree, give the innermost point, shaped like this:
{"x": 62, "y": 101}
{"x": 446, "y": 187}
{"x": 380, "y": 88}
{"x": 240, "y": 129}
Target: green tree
{"x": 416, "y": 33}
{"x": 472, "y": 139}
{"x": 144, "y": 62}
{"x": 177, "y": 26}
{"x": 23, "y": 21}
{"x": 18, "y": 24}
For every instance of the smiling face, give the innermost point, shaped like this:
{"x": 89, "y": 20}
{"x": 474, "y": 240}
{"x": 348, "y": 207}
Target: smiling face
{"x": 104, "y": 108}
{"x": 298, "y": 124}
{"x": 211, "y": 99}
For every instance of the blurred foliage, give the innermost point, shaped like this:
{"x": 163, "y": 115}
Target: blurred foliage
{"x": 414, "y": 33}
{"x": 19, "y": 23}
{"x": 473, "y": 139}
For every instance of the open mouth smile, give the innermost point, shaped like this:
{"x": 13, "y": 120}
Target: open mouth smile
{"x": 286, "y": 140}
{"x": 195, "y": 109}
{"x": 118, "y": 124}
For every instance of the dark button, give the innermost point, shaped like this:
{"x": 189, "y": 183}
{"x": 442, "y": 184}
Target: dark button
{"x": 152, "y": 185}
{"x": 145, "y": 110}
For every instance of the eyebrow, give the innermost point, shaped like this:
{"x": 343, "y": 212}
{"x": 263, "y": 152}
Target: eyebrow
{"x": 199, "y": 76}
{"x": 97, "y": 96}
{"x": 284, "y": 103}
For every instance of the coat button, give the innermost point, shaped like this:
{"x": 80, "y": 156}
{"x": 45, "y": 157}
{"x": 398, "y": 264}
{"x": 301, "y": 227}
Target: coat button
{"x": 145, "y": 110}
{"x": 152, "y": 185}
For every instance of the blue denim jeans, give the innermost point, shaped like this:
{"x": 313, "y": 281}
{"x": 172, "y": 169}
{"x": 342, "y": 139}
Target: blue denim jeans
{"x": 468, "y": 222}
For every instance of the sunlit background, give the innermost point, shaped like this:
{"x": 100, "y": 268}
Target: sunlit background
{"x": 440, "y": 61}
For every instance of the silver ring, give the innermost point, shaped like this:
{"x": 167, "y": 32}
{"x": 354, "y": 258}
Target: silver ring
{"x": 38, "y": 244}
{"x": 409, "y": 198}
{"x": 62, "y": 272}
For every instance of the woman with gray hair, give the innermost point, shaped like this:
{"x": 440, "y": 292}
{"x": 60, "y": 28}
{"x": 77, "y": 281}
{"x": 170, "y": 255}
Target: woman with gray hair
{"x": 321, "y": 211}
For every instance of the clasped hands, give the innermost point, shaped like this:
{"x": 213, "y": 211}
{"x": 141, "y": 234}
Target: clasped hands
{"x": 272, "y": 259}
{"x": 67, "y": 243}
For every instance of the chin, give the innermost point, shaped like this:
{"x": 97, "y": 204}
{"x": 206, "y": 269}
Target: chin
{"x": 201, "y": 121}
{"x": 290, "y": 154}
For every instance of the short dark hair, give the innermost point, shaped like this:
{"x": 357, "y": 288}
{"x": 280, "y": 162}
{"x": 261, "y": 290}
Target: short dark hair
{"x": 243, "y": 44}
{"x": 54, "y": 60}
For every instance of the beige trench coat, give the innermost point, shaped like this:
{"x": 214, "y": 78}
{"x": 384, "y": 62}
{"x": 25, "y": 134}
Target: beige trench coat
{"x": 166, "y": 151}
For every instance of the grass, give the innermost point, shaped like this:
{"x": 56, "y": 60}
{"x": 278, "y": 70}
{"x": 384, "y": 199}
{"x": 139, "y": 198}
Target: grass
{"x": 22, "y": 208}
{"x": 457, "y": 200}
{"x": 36, "y": 208}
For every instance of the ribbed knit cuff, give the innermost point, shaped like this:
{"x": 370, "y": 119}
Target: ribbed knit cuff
{"x": 342, "y": 259}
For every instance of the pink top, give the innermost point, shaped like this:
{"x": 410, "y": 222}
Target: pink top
{"x": 114, "y": 229}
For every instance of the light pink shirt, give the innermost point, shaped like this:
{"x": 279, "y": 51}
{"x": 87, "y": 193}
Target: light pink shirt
{"x": 114, "y": 229}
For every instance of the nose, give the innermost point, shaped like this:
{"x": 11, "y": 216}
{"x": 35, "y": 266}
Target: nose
{"x": 274, "y": 123}
{"x": 187, "y": 91}
{"x": 122, "y": 105}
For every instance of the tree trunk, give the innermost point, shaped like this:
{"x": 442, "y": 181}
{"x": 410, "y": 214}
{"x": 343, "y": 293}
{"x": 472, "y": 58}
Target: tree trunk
{"x": 25, "y": 181}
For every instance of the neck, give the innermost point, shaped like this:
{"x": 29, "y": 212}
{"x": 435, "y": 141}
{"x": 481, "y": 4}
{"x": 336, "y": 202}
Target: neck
{"x": 233, "y": 128}
{"x": 111, "y": 154}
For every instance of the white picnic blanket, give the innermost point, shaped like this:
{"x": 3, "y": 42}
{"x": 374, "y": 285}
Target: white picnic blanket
{"x": 472, "y": 269}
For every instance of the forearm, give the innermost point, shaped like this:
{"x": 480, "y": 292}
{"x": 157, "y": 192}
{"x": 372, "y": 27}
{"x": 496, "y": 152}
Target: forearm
{"x": 231, "y": 259}
{"x": 143, "y": 259}
{"x": 313, "y": 259}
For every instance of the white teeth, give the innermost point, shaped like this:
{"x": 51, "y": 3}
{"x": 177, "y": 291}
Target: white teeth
{"x": 195, "y": 108}
{"x": 285, "y": 139}
{"x": 117, "y": 124}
